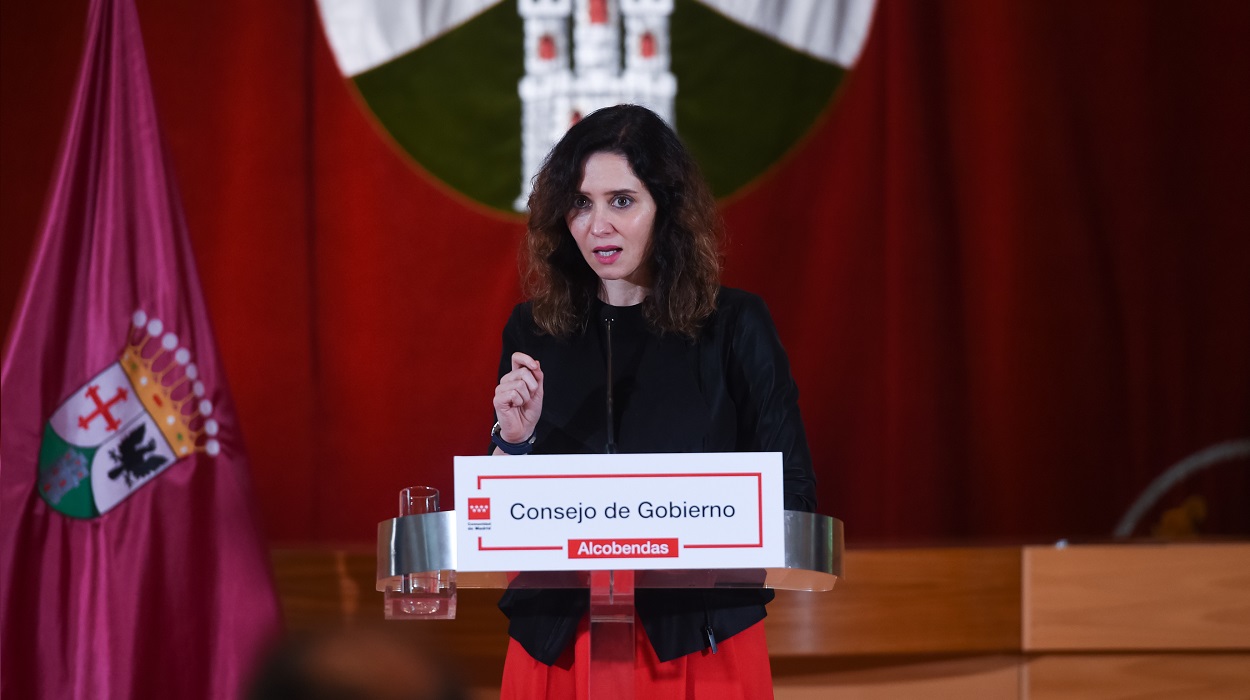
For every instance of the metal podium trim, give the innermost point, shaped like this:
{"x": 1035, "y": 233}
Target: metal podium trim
{"x": 427, "y": 542}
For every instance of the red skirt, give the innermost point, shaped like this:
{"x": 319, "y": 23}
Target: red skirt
{"x": 739, "y": 670}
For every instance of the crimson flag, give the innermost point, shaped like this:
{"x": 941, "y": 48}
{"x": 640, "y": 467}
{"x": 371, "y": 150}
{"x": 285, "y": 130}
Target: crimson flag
{"x": 131, "y": 560}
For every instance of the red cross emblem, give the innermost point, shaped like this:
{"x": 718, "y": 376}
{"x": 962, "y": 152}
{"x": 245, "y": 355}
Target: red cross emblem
{"x": 102, "y": 408}
{"x": 479, "y": 509}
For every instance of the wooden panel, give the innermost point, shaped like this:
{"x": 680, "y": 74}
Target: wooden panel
{"x": 1137, "y": 597}
{"x": 888, "y": 678}
{"x": 906, "y": 601}
{"x": 321, "y": 587}
{"x": 915, "y": 623}
{"x": 1124, "y": 676}
{"x": 892, "y": 601}
{"x": 324, "y": 588}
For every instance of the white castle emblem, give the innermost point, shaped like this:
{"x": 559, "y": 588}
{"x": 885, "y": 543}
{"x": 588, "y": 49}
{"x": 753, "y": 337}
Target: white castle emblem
{"x": 556, "y": 91}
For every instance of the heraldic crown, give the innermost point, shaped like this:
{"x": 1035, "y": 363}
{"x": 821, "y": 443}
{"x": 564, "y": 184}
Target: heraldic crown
{"x": 168, "y": 384}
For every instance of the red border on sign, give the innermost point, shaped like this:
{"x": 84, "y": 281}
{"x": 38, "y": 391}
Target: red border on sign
{"x": 483, "y": 548}
{"x": 759, "y": 508}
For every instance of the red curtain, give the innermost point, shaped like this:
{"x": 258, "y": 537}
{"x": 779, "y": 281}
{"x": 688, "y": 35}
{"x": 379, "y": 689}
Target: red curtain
{"x": 1011, "y": 264}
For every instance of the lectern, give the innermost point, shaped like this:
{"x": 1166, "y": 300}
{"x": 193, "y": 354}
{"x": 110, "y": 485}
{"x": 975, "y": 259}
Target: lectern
{"x": 722, "y": 508}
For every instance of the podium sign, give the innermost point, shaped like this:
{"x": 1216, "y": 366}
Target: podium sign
{"x": 608, "y": 512}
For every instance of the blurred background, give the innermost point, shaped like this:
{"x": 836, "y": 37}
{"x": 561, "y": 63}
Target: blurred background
{"x": 1007, "y": 251}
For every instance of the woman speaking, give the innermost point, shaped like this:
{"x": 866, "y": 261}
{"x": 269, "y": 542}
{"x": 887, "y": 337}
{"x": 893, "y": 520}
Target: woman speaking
{"x": 622, "y": 271}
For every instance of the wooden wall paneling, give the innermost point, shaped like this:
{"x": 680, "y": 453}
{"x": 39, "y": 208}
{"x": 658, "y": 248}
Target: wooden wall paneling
{"x": 1133, "y": 676}
{"x": 932, "y": 623}
{"x": 321, "y": 588}
{"x": 891, "y": 677}
{"x": 330, "y": 588}
{"x": 906, "y": 601}
{"x": 1137, "y": 597}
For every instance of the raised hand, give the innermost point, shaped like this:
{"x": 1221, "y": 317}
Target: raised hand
{"x": 519, "y": 399}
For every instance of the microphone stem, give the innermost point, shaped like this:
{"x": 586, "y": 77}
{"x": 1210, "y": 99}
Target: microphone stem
{"x": 611, "y": 446}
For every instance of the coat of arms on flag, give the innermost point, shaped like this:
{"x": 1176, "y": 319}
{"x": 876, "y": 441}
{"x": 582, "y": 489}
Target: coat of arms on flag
{"x": 126, "y": 425}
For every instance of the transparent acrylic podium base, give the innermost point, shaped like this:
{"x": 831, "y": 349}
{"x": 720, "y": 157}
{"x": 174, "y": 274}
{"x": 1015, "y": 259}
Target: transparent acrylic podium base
{"x": 612, "y": 635}
{"x": 423, "y": 596}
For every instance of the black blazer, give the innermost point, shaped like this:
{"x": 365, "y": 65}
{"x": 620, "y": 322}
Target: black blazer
{"x": 728, "y": 391}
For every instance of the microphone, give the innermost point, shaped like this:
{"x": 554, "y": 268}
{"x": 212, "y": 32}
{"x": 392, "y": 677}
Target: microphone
{"x": 611, "y": 446}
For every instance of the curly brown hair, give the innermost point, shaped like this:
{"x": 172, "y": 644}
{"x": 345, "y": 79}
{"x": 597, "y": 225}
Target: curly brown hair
{"x": 684, "y": 255}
